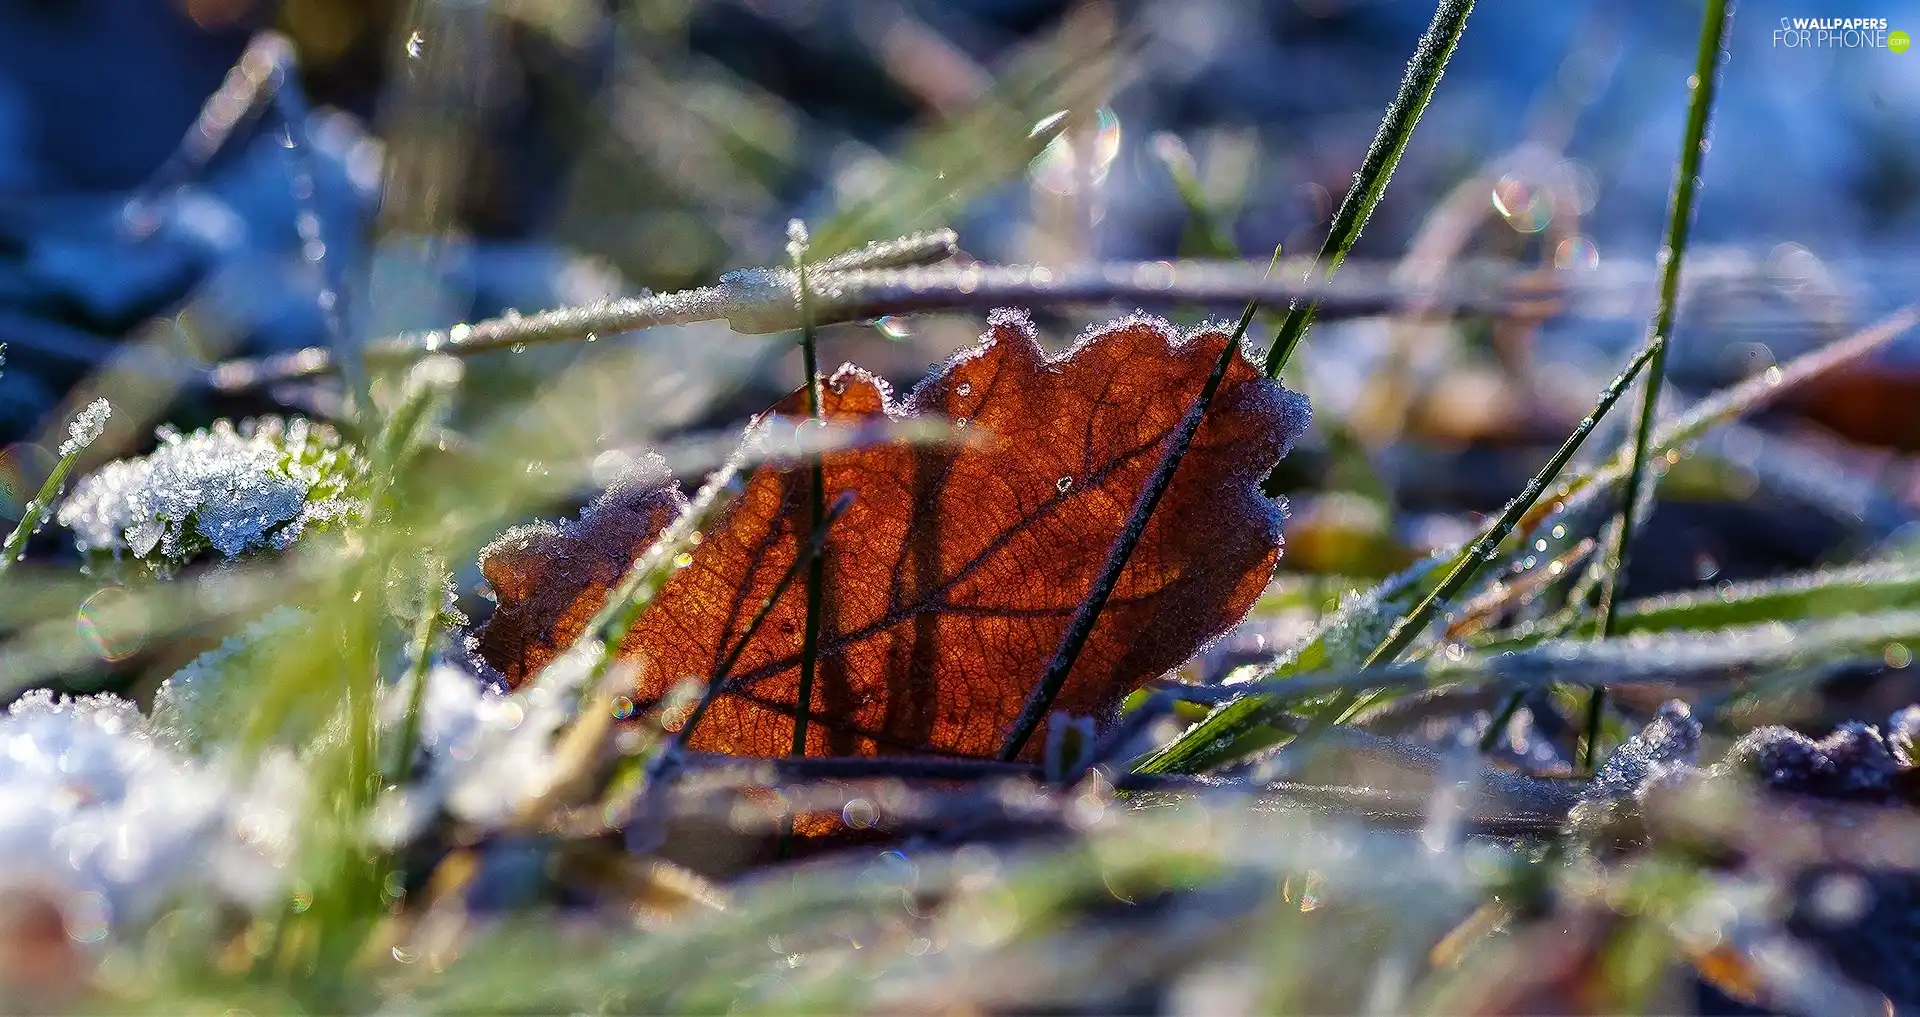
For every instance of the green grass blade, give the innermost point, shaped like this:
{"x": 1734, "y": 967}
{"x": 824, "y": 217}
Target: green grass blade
{"x": 1676, "y": 658}
{"x": 82, "y": 432}
{"x": 1216, "y": 238}
{"x": 1370, "y": 184}
{"x": 1087, "y": 614}
{"x": 1339, "y": 643}
{"x": 1832, "y": 593}
{"x": 817, "y": 500}
{"x": 1581, "y": 491}
{"x": 1673, "y": 250}
{"x": 1693, "y": 149}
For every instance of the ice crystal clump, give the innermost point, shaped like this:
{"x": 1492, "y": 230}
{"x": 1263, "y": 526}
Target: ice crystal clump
{"x": 484, "y": 755}
{"x": 1666, "y": 751}
{"x": 1853, "y": 762}
{"x": 91, "y": 801}
{"x": 231, "y": 489}
{"x": 480, "y": 752}
{"x": 1667, "y": 748}
{"x": 86, "y": 427}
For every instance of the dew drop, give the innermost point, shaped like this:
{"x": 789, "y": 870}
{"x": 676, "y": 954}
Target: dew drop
{"x": 1704, "y": 566}
{"x": 682, "y": 560}
{"x": 517, "y": 348}
{"x": 963, "y": 389}
{"x": 112, "y": 623}
{"x": 1525, "y": 208}
{"x": 1071, "y": 159}
{"x": 1576, "y": 253}
{"x": 1063, "y": 485}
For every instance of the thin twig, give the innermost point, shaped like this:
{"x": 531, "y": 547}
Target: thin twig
{"x": 1686, "y": 183}
{"x": 1396, "y": 127}
{"x": 750, "y": 295}
{"x": 762, "y": 300}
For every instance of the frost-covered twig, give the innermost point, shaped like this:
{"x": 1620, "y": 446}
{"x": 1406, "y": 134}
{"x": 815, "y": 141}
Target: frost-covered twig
{"x": 760, "y": 300}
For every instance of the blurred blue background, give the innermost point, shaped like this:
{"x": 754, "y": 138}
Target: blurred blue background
{"x": 537, "y": 152}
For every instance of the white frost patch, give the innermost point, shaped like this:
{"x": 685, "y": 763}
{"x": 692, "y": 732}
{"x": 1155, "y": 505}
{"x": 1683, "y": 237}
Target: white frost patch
{"x": 92, "y": 802}
{"x": 487, "y": 754}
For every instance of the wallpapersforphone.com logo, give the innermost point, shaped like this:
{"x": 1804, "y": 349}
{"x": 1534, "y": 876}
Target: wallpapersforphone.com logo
{"x": 1839, "y": 33}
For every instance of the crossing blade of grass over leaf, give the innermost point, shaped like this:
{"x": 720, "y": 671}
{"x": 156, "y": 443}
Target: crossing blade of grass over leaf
{"x": 84, "y": 431}
{"x": 717, "y": 683}
{"x": 1717, "y": 18}
{"x": 817, "y": 495}
{"x": 1224, "y": 734}
{"x": 1353, "y": 470}
{"x": 601, "y": 637}
{"x": 1370, "y": 184}
{"x": 1087, "y": 614}
{"x": 574, "y": 685}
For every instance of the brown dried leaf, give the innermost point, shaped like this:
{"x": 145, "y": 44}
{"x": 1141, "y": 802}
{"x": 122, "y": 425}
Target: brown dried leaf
{"x": 951, "y": 579}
